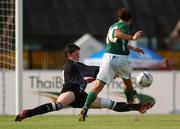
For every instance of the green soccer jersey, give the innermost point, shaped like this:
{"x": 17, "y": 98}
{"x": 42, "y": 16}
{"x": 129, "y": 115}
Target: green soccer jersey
{"x": 115, "y": 45}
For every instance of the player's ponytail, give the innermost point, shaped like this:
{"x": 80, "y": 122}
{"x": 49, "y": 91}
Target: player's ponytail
{"x": 124, "y": 14}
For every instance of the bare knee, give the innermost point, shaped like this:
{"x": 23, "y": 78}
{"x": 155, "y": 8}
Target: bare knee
{"x": 66, "y": 98}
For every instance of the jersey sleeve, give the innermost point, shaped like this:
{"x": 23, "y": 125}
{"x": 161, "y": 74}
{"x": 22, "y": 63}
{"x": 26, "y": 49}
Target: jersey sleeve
{"x": 124, "y": 28}
{"x": 87, "y": 71}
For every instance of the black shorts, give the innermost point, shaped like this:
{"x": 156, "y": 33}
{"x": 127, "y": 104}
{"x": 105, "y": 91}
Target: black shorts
{"x": 80, "y": 96}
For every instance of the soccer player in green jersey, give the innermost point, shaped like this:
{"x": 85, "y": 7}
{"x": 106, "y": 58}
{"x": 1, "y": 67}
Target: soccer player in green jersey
{"x": 115, "y": 60}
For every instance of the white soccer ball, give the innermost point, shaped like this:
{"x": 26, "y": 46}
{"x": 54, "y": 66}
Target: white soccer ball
{"x": 144, "y": 79}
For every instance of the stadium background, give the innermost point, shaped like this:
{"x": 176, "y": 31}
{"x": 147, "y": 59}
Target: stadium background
{"x": 50, "y": 25}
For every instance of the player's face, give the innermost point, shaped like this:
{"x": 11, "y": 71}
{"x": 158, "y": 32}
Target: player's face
{"x": 74, "y": 56}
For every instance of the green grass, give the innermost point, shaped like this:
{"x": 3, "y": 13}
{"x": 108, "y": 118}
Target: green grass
{"x": 93, "y": 122}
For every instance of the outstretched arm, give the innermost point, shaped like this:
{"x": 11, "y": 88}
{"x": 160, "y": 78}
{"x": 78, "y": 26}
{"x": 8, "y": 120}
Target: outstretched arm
{"x": 120, "y": 35}
{"x": 89, "y": 79}
{"x": 136, "y": 49}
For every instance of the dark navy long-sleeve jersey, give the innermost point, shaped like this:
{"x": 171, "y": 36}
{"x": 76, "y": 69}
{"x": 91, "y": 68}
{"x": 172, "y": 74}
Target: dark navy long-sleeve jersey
{"x": 77, "y": 71}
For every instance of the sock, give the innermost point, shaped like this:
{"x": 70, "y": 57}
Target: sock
{"x": 45, "y": 108}
{"x": 135, "y": 107}
{"x": 89, "y": 100}
{"x": 124, "y": 107}
{"x": 129, "y": 94}
{"x": 121, "y": 107}
{"x": 106, "y": 103}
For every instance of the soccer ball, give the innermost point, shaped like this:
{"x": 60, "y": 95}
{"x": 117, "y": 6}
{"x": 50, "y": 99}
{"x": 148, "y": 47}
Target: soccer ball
{"x": 144, "y": 79}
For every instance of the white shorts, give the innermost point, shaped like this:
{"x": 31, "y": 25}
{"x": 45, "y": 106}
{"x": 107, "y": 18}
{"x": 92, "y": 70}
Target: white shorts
{"x": 112, "y": 65}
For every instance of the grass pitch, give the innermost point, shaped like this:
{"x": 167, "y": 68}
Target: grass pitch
{"x": 93, "y": 122}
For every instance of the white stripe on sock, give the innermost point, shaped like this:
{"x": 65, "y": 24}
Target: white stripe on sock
{"x": 54, "y": 106}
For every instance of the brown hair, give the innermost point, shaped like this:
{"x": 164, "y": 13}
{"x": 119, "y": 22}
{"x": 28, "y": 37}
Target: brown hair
{"x": 70, "y": 48}
{"x": 124, "y": 14}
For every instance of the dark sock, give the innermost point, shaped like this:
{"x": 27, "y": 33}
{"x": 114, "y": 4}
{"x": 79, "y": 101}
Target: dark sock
{"x": 129, "y": 94}
{"x": 135, "y": 107}
{"x": 121, "y": 107}
{"x": 124, "y": 107}
{"x": 45, "y": 108}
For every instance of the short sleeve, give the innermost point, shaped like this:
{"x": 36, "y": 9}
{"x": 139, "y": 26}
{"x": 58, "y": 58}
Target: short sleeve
{"x": 124, "y": 28}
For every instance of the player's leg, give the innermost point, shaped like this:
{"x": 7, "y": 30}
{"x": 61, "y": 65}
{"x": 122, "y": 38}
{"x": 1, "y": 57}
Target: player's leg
{"x": 63, "y": 100}
{"x": 124, "y": 70}
{"x": 94, "y": 92}
{"x": 121, "y": 106}
{"x": 92, "y": 95}
{"x": 66, "y": 98}
{"x": 129, "y": 90}
{"x": 125, "y": 107}
{"x": 105, "y": 76}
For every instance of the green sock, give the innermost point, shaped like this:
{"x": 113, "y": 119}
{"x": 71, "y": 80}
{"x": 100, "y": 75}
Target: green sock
{"x": 129, "y": 94}
{"x": 90, "y": 99}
